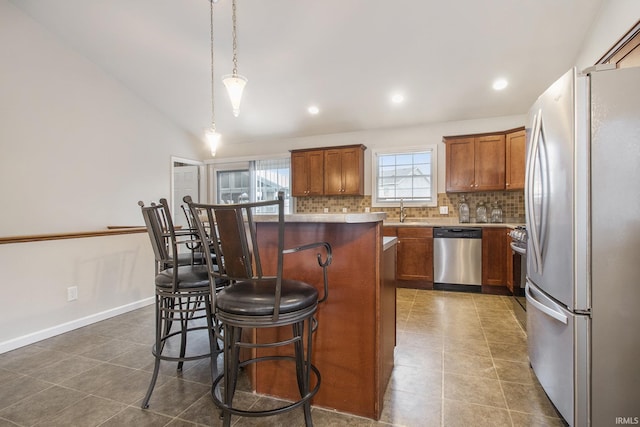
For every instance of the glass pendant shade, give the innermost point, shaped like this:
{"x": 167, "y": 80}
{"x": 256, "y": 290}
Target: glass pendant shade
{"x": 213, "y": 139}
{"x": 235, "y": 84}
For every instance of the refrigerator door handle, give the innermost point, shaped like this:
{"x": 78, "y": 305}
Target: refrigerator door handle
{"x": 558, "y": 315}
{"x": 532, "y": 158}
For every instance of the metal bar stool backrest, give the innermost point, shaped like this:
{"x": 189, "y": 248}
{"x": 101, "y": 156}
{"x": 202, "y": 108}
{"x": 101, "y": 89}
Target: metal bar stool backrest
{"x": 157, "y": 219}
{"x": 231, "y": 230}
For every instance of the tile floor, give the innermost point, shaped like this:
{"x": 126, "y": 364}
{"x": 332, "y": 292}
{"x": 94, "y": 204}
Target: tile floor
{"x": 460, "y": 361}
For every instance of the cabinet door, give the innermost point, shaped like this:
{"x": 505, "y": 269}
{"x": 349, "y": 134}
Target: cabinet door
{"x": 307, "y": 173}
{"x": 316, "y": 173}
{"x": 460, "y": 167}
{"x": 333, "y": 172}
{"x": 415, "y": 253}
{"x": 344, "y": 171}
{"x": 299, "y": 175}
{"x": 494, "y": 256}
{"x": 515, "y": 160}
{"x": 489, "y": 163}
{"x": 352, "y": 161}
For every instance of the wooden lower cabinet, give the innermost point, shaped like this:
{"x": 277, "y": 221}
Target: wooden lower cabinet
{"x": 415, "y": 253}
{"x": 494, "y": 256}
{"x": 414, "y": 267}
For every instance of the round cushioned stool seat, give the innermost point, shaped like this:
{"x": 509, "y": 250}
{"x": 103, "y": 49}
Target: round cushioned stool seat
{"x": 196, "y": 276}
{"x": 257, "y": 297}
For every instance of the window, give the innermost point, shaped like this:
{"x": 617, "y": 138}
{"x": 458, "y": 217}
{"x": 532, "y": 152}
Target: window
{"x": 254, "y": 181}
{"x": 233, "y": 186}
{"x": 408, "y": 174}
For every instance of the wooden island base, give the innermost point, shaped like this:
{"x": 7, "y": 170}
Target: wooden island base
{"x": 354, "y": 344}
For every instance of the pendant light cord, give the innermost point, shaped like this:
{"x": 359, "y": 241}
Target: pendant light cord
{"x": 235, "y": 38}
{"x": 213, "y": 122}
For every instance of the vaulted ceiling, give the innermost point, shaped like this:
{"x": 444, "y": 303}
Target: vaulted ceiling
{"x": 345, "y": 56}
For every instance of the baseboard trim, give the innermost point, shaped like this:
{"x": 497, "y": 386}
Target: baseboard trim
{"x": 33, "y": 337}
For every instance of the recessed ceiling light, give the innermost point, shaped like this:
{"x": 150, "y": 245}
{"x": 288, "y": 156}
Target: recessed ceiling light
{"x": 313, "y": 110}
{"x": 397, "y": 98}
{"x": 500, "y": 84}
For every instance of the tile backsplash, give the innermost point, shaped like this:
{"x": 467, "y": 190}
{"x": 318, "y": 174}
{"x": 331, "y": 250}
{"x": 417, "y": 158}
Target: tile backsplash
{"x": 511, "y": 202}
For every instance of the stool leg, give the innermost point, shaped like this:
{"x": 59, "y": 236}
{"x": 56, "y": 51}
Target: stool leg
{"x": 303, "y": 368}
{"x": 183, "y": 309}
{"x": 213, "y": 340}
{"x": 157, "y": 350}
{"x": 307, "y": 372}
{"x": 231, "y": 361}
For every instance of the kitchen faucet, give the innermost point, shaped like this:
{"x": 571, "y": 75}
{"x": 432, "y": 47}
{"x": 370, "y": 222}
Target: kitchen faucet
{"x": 403, "y": 215}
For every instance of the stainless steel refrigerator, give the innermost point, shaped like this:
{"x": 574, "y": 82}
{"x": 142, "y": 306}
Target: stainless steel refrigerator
{"x": 582, "y": 198}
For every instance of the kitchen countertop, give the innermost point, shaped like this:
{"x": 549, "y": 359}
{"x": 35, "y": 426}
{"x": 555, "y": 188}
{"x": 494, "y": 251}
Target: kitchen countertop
{"x": 344, "y": 218}
{"x": 437, "y": 222}
{"x": 388, "y": 241}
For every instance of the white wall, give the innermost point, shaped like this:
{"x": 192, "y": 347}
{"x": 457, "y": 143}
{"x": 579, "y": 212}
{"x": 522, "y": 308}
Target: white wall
{"x": 114, "y": 274}
{"x": 377, "y": 139}
{"x": 78, "y": 150}
{"x": 614, "y": 19}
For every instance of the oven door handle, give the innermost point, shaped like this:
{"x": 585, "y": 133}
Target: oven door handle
{"x": 521, "y": 251}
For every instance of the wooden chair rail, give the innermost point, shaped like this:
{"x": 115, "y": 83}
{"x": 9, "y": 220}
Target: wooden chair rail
{"x": 110, "y": 231}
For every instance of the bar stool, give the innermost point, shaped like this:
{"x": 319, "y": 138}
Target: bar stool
{"x": 254, "y": 300}
{"x": 182, "y": 295}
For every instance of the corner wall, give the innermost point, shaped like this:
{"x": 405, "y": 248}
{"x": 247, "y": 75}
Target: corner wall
{"x": 78, "y": 150}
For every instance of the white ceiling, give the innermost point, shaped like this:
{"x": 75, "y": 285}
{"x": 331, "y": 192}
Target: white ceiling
{"x": 345, "y": 56}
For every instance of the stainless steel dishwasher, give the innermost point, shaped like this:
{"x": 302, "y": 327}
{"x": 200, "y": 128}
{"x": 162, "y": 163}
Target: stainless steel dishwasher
{"x": 457, "y": 258}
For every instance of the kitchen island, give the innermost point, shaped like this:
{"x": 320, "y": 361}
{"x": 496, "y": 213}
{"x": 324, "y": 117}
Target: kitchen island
{"x": 355, "y": 340}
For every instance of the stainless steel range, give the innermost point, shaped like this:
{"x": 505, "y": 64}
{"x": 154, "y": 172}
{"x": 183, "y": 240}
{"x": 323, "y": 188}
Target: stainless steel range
{"x": 519, "y": 247}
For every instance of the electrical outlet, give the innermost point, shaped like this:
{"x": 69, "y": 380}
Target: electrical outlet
{"x": 325, "y": 210}
{"x": 367, "y": 209}
{"x": 444, "y": 210}
{"x": 345, "y": 210}
{"x": 72, "y": 293}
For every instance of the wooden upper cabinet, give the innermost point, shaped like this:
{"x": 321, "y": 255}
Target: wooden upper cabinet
{"x": 460, "y": 164}
{"x": 475, "y": 163}
{"x": 334, "y": 171}
{"x": 344, "y": 171}
{"x": 307, "y": 172}
{"x": 515, "y": 160}
{"x": 489, "y": 162}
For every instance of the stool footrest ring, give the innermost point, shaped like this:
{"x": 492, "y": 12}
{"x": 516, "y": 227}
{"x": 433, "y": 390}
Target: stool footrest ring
{"x": 228, "y": 408}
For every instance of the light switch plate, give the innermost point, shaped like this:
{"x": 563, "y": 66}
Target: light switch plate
{"x": 444, "y": 210}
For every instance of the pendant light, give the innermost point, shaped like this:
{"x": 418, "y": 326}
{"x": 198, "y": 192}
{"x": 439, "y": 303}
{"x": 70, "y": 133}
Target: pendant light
{"x": 213, "y": 137}
{"x": 234, "y": 82}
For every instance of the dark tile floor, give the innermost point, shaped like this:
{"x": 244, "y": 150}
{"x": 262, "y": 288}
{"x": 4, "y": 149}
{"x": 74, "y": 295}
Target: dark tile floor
{"x": 460, "y": 361}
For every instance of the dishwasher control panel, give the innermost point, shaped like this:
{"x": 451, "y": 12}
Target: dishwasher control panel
{"x": 457, "y": 232}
